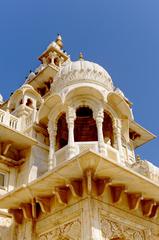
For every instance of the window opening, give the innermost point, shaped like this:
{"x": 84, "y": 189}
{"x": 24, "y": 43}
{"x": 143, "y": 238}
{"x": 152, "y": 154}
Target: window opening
{"x": 62, "y": 132}
{"x": 29, "y": 103}
{"x": 85, "y": 126}
{"x": 108, "y": 129}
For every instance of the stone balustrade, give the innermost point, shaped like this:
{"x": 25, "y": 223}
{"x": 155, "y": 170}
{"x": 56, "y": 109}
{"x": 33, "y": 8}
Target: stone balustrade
{"x": 147, "y": 169}
{"x": 10, "y": 120}
{"x": 14, "y": 122}
{"x": 62, "y": 154}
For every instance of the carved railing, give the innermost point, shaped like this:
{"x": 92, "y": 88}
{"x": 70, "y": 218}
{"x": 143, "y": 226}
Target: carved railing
{"x": 9, "y": 120}
{"x": 14, "y": 122}
{"x": 147, "y": 169}
{"x": 62, "y": 154}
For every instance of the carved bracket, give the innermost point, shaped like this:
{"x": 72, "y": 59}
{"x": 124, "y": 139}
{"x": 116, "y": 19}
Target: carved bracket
{"x": 101, "y": 184}
{"x": 45, "y": 204}
{"x": 134, "y": 200}
{"x": 17, "y": 215}
{"x": 116, "y": 192}
{"x": 147, "y": 206}
{"x": 76, "y": 188}
{"x": 6, "y": 146}
{"x": 62, "y": 194}
{"x": 154, "y": 212}
{"x": 27, "y": 210}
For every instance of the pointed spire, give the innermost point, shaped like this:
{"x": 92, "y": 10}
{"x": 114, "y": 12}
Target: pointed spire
{"x": 81, "y": 56}
{"x": 59, "y": 41}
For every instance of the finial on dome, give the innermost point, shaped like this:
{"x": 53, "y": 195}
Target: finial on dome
{"x": 81, "y": 56}
{"x": 59, "y": 41}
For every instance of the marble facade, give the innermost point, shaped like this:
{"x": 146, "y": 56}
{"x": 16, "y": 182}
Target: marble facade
{"x": 68, "y": 168}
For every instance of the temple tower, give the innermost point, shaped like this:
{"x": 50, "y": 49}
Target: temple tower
{"x": 78, "y": 177}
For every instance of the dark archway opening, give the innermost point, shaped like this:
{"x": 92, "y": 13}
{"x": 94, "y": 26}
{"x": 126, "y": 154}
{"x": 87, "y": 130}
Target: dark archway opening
{"x": 85, "y": 129}
{"x": 108, "y": 129}
{"x": 62, "y": 132}
{"x": 29, "y": 103}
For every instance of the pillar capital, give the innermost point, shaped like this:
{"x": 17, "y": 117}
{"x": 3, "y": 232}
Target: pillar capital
{"x": 70, "y": 115}
{"x": 99, "y": 115}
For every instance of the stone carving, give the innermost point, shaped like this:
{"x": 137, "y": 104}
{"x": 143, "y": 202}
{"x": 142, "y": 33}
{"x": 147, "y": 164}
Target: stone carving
{"x": 79, "y": 71}
{"x": 71, "y": 230}
{"x": 111, "y": 229}
{"x": 131, "y": 234}
{"x": 147, "y": 169}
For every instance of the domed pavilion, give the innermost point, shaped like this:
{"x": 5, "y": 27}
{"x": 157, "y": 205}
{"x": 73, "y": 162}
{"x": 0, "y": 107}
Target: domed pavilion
{"x": 68, "y": 167}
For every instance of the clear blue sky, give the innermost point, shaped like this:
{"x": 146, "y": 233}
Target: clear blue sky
{"x": 120, "y": 35}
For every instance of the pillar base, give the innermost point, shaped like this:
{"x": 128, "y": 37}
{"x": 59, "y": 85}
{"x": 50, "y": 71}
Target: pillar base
{"x": 102, "y": 149}
{"x": 71, "y": 152}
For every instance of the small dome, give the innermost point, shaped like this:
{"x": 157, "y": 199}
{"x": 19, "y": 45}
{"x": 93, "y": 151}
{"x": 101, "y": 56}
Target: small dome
{"x": 83, "y": 71}
{"x": 84, "y": 66}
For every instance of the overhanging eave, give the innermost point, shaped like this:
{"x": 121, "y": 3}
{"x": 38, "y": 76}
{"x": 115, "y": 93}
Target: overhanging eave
{"x": 75, "y": 169}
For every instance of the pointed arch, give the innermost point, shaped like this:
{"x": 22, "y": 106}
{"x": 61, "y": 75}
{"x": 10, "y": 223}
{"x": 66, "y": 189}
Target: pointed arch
{"x": 47, "y": 106}
{"x": 83, "y": 91}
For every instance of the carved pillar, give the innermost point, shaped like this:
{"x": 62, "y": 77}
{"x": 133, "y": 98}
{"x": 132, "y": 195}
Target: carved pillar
{"x": 118, "y": 139}
{"x": 52, "y": 129}
{"x": 99, "y": 121}
{"x": 70, "y": 117}
{"x": 52, "y": 57}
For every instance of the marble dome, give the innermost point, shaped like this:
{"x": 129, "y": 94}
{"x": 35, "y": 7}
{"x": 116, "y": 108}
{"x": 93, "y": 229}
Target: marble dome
{"x": 82, "y": 71}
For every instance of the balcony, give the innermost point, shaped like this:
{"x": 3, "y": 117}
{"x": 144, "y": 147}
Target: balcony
{"x": 9, "y": 120}
{"x": 15, "y": 123}
{"x": 11, "y": 131}
{"x": 62, "y": 154}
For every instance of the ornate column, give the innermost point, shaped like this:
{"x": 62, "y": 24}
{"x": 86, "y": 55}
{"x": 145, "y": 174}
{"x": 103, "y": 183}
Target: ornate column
{"x": 70, "y": 118}
{"x": 99, "y": 121}
{"x": 118, "y": 139}
{"x": 52, "y": 129}
{"x": 52, "y": 57}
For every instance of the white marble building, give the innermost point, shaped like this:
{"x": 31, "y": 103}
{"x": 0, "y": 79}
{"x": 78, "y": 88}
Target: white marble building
{"x": 68, "y": 168}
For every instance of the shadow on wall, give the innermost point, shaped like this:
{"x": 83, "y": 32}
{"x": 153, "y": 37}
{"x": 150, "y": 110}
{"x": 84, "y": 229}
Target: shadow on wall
{"x": 5, "y": 233}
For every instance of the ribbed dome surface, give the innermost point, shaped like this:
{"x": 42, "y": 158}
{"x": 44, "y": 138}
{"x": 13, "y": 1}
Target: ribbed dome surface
{"x": 82, "y": 72}
{"x": 83, "y": 65}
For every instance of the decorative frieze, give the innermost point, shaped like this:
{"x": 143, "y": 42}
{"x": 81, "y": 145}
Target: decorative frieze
{"x": 70, "y": 230}
{"x": 112, "y": 230}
